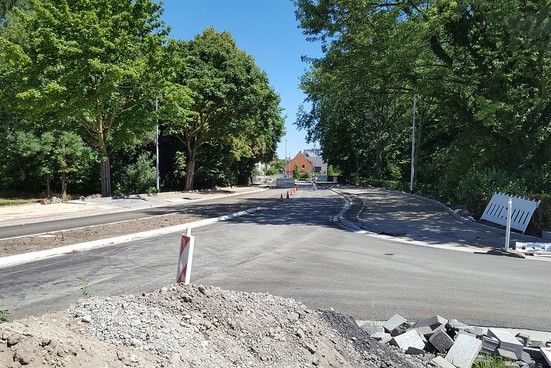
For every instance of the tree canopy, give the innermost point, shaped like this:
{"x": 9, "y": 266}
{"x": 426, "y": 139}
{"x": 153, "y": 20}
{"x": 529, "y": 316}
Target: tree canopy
{"x": 79, "y": 75}
{"x": 85, "y": 66}
{"x": 217, "y": 96}
{"x": 479, "y": 71}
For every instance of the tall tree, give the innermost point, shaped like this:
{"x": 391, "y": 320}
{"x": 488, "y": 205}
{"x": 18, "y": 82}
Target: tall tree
{"x": 481, "y": 69}
{"x": 219, "y": 97}
{"x": 85, "y": 66}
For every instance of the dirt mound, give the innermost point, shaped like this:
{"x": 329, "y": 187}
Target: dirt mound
{"x": 193, "y": 326}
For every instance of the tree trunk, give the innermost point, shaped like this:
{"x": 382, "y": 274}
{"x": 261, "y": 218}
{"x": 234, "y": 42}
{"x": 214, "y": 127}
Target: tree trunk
{"x": 105, "y": 170}
{"x": 63, "y": 186}
{"x": 379, "y": 159}
{"x": 48, "y": 191}
{"x": 190, "y": 171}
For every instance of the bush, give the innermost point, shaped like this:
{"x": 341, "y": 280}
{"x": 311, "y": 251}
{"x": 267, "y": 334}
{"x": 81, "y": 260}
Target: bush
{"x": 138, "y": 177}
{"x": 387, "y": 184}
{"x": 477, "y": 187}
{"x": 542, "y": 216}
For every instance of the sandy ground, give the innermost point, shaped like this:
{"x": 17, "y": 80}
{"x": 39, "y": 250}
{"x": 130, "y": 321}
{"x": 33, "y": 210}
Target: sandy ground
{"x": 26, "y": 244}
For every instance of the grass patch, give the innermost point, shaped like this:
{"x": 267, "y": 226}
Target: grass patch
{"x": 490, "y": 361}
{"x": 14, "y": 202}
{"x": 4, "y": 313}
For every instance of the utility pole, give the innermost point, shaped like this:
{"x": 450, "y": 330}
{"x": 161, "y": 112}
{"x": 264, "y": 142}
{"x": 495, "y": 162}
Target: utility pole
{"x": 157, "y": 184}
{"x": 413, "y": 144}
{"x": 285, "y": 175}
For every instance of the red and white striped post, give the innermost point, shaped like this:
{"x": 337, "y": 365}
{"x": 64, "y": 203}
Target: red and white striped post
{"x": 185, "y": 259}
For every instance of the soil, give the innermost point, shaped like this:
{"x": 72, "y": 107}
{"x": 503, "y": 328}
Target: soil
{"x": 34, "y": 243}
{"x": 194, "y": 326}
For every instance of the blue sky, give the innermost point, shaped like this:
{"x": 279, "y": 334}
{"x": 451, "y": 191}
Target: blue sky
{"x": 265, "y": 29}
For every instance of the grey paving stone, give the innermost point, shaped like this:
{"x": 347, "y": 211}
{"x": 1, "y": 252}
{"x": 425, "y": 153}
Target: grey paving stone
{"x": 489, "y": 344}
{"x": 382, "y": 337}
{"x": 415, "y": 351}
{"x": 534, "y": 352}
{"x": 431, "y": 321}
{"x": 507, "y": 341}
{"x": 527, "y": 358}
{"x": 464, "y": 351}
{"x": 441, "y": 341}
{"x": 523, "y": 338}
{"x": 464, "y": 332}
{"x": 478, "y": 331}
{"x": 456, "y": 325}
{"x": 506, "y": 354}
{"x": 396, "y": 325}
{"x": 407, "y": 339}
{"x": 442, "y": 363}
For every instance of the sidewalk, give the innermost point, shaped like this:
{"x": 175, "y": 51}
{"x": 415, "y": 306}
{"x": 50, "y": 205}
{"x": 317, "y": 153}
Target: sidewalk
{"x": 419, "y": 219}
{"x": 91, "y": 206}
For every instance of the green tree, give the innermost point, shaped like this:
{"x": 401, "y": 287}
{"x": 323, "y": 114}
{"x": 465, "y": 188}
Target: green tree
{"x": 48, "y": 155}
{"x": 480, "y": 69}
{"x": 218, "y": 97}
{"x": 85, "y": 67}
{"x": 296, "y": 172}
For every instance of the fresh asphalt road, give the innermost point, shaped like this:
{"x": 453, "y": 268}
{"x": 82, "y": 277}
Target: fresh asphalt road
{"x": 294, "y": 250}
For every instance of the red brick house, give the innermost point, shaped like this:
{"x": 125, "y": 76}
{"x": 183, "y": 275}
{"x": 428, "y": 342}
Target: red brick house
{"x": 305, "y": 164}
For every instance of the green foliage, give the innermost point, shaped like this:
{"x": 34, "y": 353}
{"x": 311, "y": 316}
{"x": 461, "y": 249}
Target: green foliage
{"x": 542, "y": 216}
{"x": 4, "y": 313}
{"x": 217, "y": 96}
{"x": 15, "y": 202}
{"x": 180, "y": 164}
{"x": 296, "y": 172}
{"x": 277, "y": 167}
{"x": 137, "y": 177}
{"x": 480, "y": 74}
{"x": 84, "y": 286}
{"x": 333, "y": 170}
{"x": 43, "y": 157}
{"x": 387, "y": 184}
{"x": 477, "y": 187}
{"x": 490, "y": 361}
{"x": 85, "y": 68}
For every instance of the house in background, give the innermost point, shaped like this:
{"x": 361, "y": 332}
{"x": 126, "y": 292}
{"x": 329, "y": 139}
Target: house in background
{"x": 308, "y": 161}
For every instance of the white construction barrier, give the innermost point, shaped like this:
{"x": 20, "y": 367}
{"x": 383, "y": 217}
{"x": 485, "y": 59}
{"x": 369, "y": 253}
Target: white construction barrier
{"x": 185, "y": 259}
{"x": 533, "y": 248}
{"x": 523, "y": 209}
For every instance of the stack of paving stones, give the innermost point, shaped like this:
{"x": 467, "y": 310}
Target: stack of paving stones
{"x": 457, "y": 345}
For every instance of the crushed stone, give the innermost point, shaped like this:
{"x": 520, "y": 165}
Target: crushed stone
{"x": 194, "y": 326}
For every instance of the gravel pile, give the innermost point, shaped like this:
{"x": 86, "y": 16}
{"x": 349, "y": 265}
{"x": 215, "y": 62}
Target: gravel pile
{"x": 194, "y": 326}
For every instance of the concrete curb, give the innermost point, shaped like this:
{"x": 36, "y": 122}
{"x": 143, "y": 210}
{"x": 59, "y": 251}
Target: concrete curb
{"x": 94, "y": 244}
{"x": 122, "y": 210}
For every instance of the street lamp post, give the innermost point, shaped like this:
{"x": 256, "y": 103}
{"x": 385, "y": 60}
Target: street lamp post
{"x": 157, "y": 184}
{"x": 413, "y": 144}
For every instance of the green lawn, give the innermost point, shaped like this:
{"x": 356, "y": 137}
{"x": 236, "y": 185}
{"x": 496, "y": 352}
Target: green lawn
{"x": 15, "y": 201}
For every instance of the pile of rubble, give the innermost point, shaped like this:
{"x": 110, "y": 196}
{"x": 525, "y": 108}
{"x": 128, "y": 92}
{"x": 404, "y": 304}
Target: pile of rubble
{"x": 456, "y": 344}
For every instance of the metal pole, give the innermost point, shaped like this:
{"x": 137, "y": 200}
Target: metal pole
{"x": 157, "y": 185}
{"x": 508, "y": 229}
{"x": 285, "y": 159}
{"x": 413, "y": 145}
